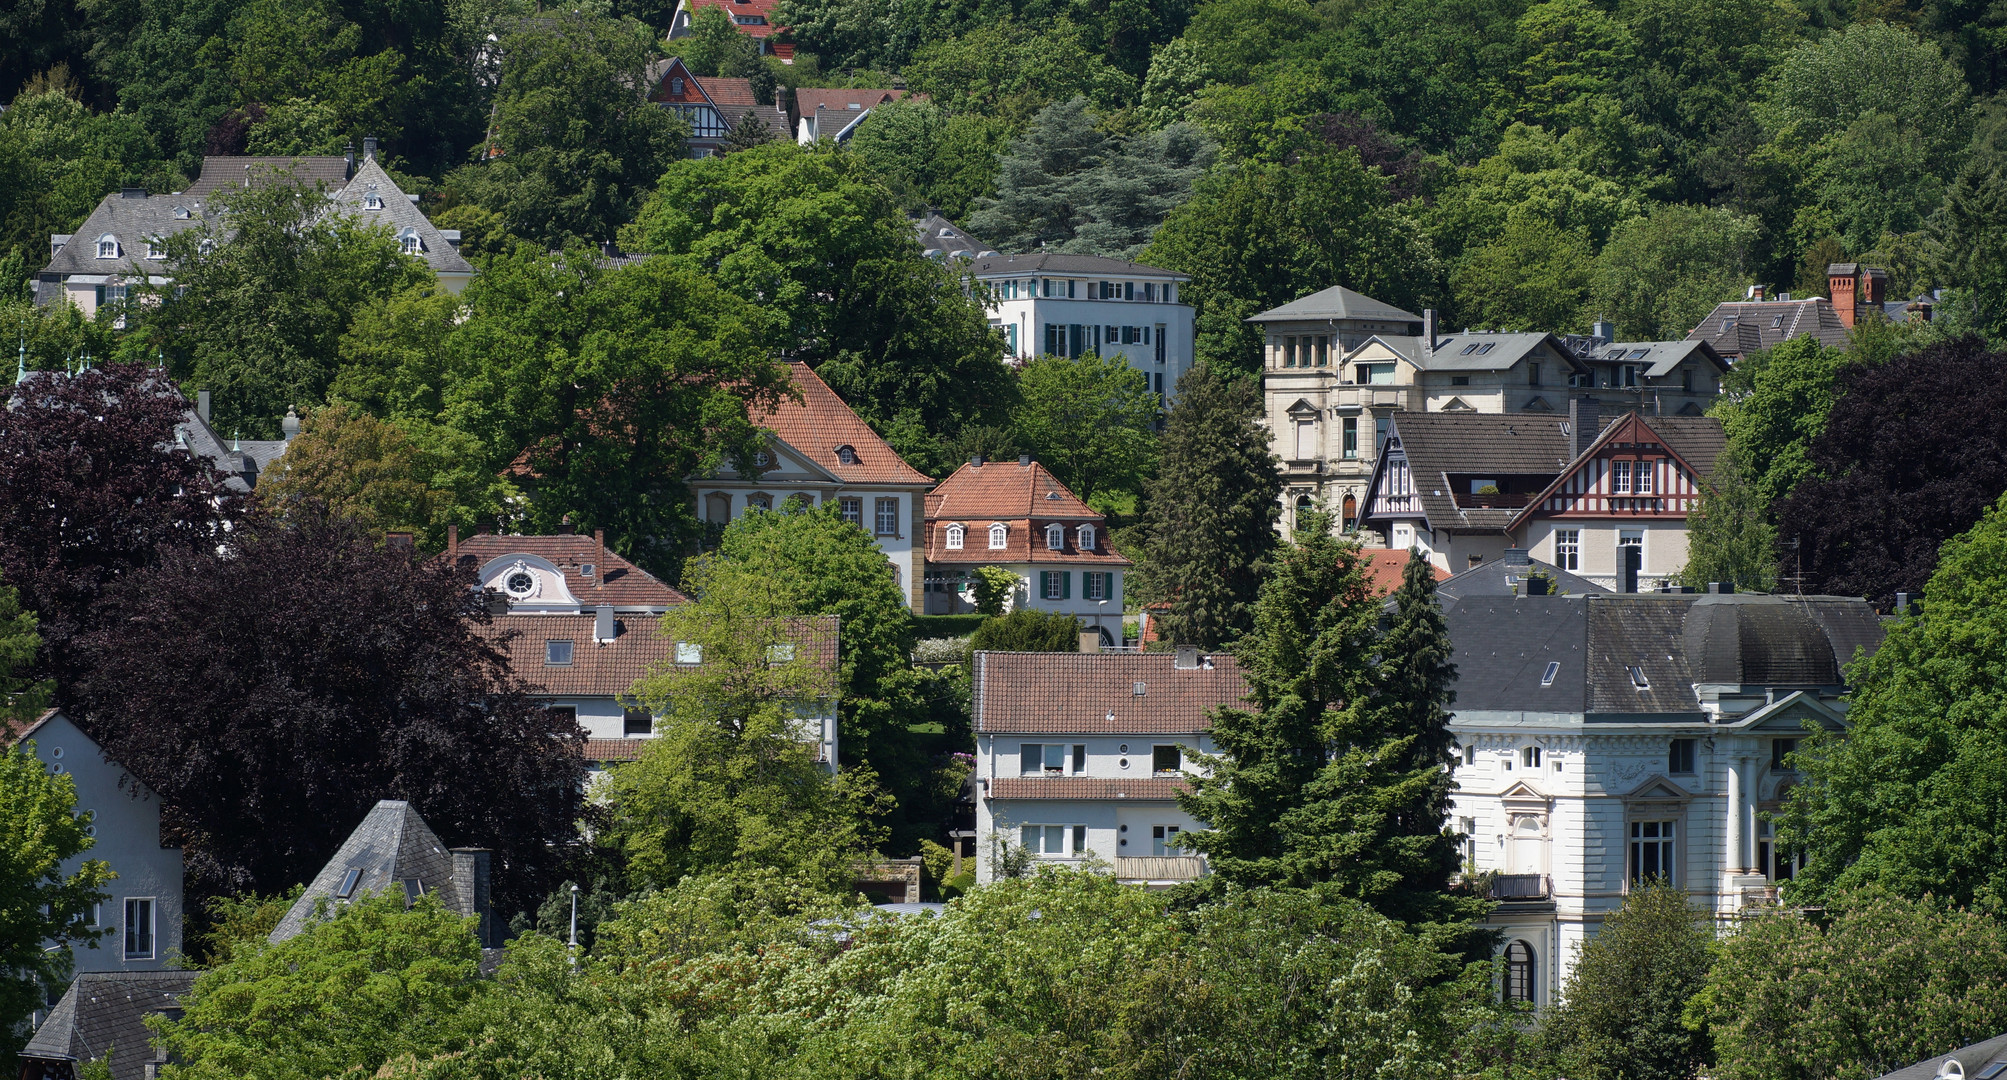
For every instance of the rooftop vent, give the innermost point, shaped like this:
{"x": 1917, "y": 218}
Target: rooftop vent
{"x": 1187, "y": 658}
{"x": 1137, "y": 689}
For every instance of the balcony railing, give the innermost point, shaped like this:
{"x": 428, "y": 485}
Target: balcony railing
{"x": 1519, "y": 887}
{"x": 1160, "y": 868}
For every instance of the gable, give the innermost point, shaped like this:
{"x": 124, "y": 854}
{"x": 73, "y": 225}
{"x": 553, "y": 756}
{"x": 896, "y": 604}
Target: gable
{"x": 1658, "y": 789}
{"x": 1629, "y": 472}
{"x": 674, "y": 85}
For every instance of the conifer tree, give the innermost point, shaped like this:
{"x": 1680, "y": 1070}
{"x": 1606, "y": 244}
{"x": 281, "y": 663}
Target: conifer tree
{"x": 1212, "y": 510}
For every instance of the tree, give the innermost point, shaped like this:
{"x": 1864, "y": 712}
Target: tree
{"x": 750, "y": 131}
{"x": 21, "y": 699}
{"x": 574, "y": 144}
{"x": 1028, "y": 630}
{"x": 1973, "y": 231}
{"x": 254, "y": 313}
{"x": 1532, "y": 277}
{"x": 92, "y": 488}
{"x": 732, "y": 779}
{"x": 1662, "y": 273}
{"x": 1621, "y": 1011}
{"x": 272, "y": 692}
{"x": 1211, "y": 512}
{"x": 928, "y": 156}
{"x": 1729, "y": 537}
{"x": 1775, "y": 407}
{"x": 992, "y": 585}
{"x": 1898, "y": 470}
{"x": 1878, "y": 984}
{"x": 1091, "y": 421}
{"x": 380, "y": 978}
{"x": 1011, "y": 68}
{"x": 1906, "y": 800}
{"x": 43, "y": 910}
{"x": 821, "y": 248}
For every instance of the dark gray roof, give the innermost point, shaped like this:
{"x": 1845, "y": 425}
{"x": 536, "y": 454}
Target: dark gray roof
{"x": 241, "y": 461}
{"x": 1740, "y": 328}
{"x": 241, "y": 172}
{"x": 1503, "y": 644}
{"x": 1643, "y": 630}
{"x": 1493, "y": 352}
{"x": 1491, "y": 444}
{"x": 1972, "y": 1061}
{"x": 1503, "y": 577}
{"x": 398, "y": 214}
{"x": 940, "y": 238}
{"x": 1336, "y": 302}
{"x": 107, "y": 1011}
{"x": 1055, "y": 263}
{"x": 1658, "y": 357}
{"x": 1755, "y": 640}
{"x": 393, "y": 845}
{"x": 1698, "y": 440}
{"x": 132, "y": 220}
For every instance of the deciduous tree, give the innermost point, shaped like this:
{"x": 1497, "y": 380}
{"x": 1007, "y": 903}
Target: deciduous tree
{"x": 43, "y": 909}
{"x": 1662, "y": 273}
{"x": 1622, "y": 1012}
{"x": 1091, "y": 420}
{"x": 1729, "y": 537}
{"x": 1028, "y": 630}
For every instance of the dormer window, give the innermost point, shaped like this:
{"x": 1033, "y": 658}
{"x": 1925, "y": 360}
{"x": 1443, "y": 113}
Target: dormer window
{"x": 411, "y": 242}
{"x": 1085, "y": 537}
{"x": 846, "y": 455}
{"x": 955, "y": 535}
{"x": 1055, "y": 538}
{"x": 999, "y": 536}
{"x": 108, "y": 246}
{"x": 371, "y": 200}
{"x": 154, "y": 248}
{"x": 676, "y": 86}
{"x": 181, "y": 213}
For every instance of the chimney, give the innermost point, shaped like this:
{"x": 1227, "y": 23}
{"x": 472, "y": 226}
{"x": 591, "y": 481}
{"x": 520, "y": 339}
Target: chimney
{"x": 1476, "y": 560}
{"x": 470, "y": 890}
{"x": 291, "y": 424}
{"x": 1535, "y": 586}
{"x": 609, "y": 249}
{"x": 1604, "y": 330}
{"x": 564, "y": 526}
{"x": 602, "y": 624}
{"x": 1429, "y": 327}
{"x": 369, "y": 148}
{"x": 1024, "y": 461}
{"x": 452, "y": 543}
{"x": 1754, "y": 295}
{"x": 598, "y": 556}
{"x": 1909, "y": 603}
{"x": 348, "y": 155}
{"x": 1187, "y": 658}
{"x": 1721, "y": 588}
{"x": 1090, "y": 641}
{"x": 1842, "y": 286}
{"x": 1627, "y": 574}
{"x": 202, "y": 405}
{"x": 1585, "y": 421}
{"x": 976, "y": 461}
{"x": 1517, "y": 557}
{"x": 398, "y": 541}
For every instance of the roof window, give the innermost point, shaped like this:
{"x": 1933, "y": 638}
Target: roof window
{"x": 1638, "y": 677}
{"x": 846, "y": 454}
{"x": 557, "y": 654}
{"x": 181, "y": 213}
{"x": 108, "y": 246}
{"x": 955, "y": 535}
{"x": 1484, "y": 348}
{"x": 676, "y": 86}
{"x": 1468, "y": 349}
{"x": 999, "y": 536}
{"x": 411, "y": 242}
{"x": 1553, "y": 669}
{"x": 348, "y": 880}
{"x": 371, "y": 200}
{"x": 1638, "y": 354}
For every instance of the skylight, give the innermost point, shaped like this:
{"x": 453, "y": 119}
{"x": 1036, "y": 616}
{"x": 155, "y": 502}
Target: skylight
{"x": 1638, "y": 677}
{"x": 347, "y": 887}
{"x": 1553, "y": 669}
{"x": 1467, "y": 350}
{"x": 1638, "y": 354}
{"x": 1484, "y": 348}
{"x": 1993, "y": 1070}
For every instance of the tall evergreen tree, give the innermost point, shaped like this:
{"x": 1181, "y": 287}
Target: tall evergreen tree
{"x": 1212, "y": 509}
{"x": 1729, "y": 538}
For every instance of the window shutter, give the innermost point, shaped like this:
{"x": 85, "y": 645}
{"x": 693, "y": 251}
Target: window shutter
{"x": 1066, "y": 584}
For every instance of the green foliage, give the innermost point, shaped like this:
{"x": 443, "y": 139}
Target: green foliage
{"x": 1091, "y": 421}
{"x": 947, "y": 626}
{"x": 40, "y": 905}
{"x": 992, "y": 586}
{"x": 1532, "y": 277}
{"x": 1729, "y": 537}
{"x": 1662, "y": 273}
{"x": 1973, "y": 232}
{"x": 1880, "y": 984}
{"x": 931, "y": 157}
{"x": 1011, "y": 68}
{"x": 1211, "y": 512}
{"x": 715, "y": 47}
{"x": 57, "y": 157}
{"x": 374, "y": 981}
{"x": 1906, "y": 801}
{"x": 1028, "y": 630}
{"x": 21, "y": 699}
{"x": 240, "y": 925}
{"x": 1775, "y": 407}
{"x": 1621, "y": 1013}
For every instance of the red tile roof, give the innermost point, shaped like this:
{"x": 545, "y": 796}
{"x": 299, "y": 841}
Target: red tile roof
{"x": 617, "y": 581}
{"x": 820, "y": 424}
{"x": 1086, "y": 787}
{"x": 1095, "y": 693}
{"x": 612, "y": 669}
{"x": 728, "y": 91}
{"x": 807, "y": 100}
{"x": 613, "y": 749}
{"x": 1384, "y": 567}
{"x": 1025, "y": 498}
{"x": 761, "y": 8}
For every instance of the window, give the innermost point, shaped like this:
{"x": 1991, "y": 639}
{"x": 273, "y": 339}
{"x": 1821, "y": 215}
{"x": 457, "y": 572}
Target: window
{"x": 1351, "y": 437}
{"x": 1470, "y": 756}
{"x": 636, "y": 723}
{"x": 1553, "y": 669}
{"x": 1053, "y": 839}
{"x": 1079, "y": 758}
{"x": 1094, "y": 584}
{"x": 1630, "y": 538}
{"x": 1164, "y": 840}
{"x": 1780, "y": 863}
{"x": 1629, "y": 373}
{"x": 1054, "y": 584}
{"x": 998, "y": 536}
{"x": 676, "y": 86}
{"x": 139, "y": 928}
{"x": 1637, "y": 675}
{"x": 1459, "y": 380}
{"x": 155, "y": 249}
{"x": 1049, "y": 759}
{"x": 1323, "y": 352}
{"x": 689, "y": 652}
{"x": 349, "y": 878}
{"x": 1306, "y": 440}
{"x": 181, "y": 213}
{"x": 1568, "y": 549}
{"x": 1652, "y": 852}
{"x": 1686, "y": 379}
{"x": 780, "y": 654}
{"x": 955, "y": 535}
{"x": 1679, "y": 756}
{"x": 1167, "y": 760}
{"x": 846, "y": 455}
{"x": 1055, "y": 537}
{"x": 557, "y": 653}
{"x": 853, "y": 512}
{"x": 371, "y": 200}
{"x": 1644, "y": 477}
{"x": 1533, "y": 374}
{"x": 1381, "y": 424}
{"x": 1375, "y": 374}
{"x": 107, "y": 246}
{"x": 1529, "y": 756}
{"x": 411, "y": 243}
{"x": 1519, "y": 972}
{"x": 585, "y": 570}
{"x": 1620, "y": 478}
{"x": 887, "y": 517}
{"x": 1779, "y": 750}
{"x": 756, "y": 20}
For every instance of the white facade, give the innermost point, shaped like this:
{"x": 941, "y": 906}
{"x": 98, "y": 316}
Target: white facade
{"x": 891, "y": 514}
{"x": 1101, "y": 832}
{"x": 1070, "y": 305}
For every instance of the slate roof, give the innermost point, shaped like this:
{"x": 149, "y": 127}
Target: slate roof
{"x": 1973, "y": 1060}
{"x": 1491, "y": 444}
{"x": 1489, "y": 352}
{"x": 1698, "y": 440}
{"x": 1752, "y": 640}
{"x": 617, "y": 581}
{"x": 1056, "y": 263}
{"x": 232, "y": 171}
{"x": 1502, "y": 577}
{"x": 391, "y": 846}
{"x": 241, "y": 461}
{"x": 1728, "y": 327}
{"x": 397, "y": 214}
{"x": 611, "y": 670}
{"x": 1336, "y": 302}
{"x": 1659, "y": 358}
{"x": 107, "y": 1011}
{"x": 1161, "y": 788}
{"x": 1025, "y": 498}
{"x": 820, "y": 423}
{"x": 131, "y": 220}
{"x": 1095, "y": 693}
{"x": 940, "y": 237}
{"x": 1501, "y": 646}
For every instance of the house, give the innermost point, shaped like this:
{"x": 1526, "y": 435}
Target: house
{"x": 241, "y": 461}
{"x": 1738, "y": 328}
{"x": 819, "y": 451}
{"x": 393, "y": 848}
{"x": 753, "y": 18}
{"x": 1020, "y": 517}
{"x": 941, "y": 239}
{"x": 120, "y": 244}
{"x": 143, "y": 914}
{"x": 582, "y": 626}
{"x": 1660, "y": 378}
{"x": 712, "y": 107}
{"x": 1514, "y": 574}
{"x": 834, "y": 114}
{"x": 1608, "y": 740}
{"x": 1080, "y": 757}
{"x": 1577, "y": 492}
{"x": 102, "y": 1013}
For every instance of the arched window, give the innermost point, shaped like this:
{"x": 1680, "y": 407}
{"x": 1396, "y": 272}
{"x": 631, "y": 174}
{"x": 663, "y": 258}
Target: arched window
{"x": 1085, "y": 537}
{"x": 1055, "y": 537}
{"x": 846, "y": 455}
{"x": 107, "y": 246}
{"x": 759, "y": 500}
{"x": 412, "y": 244}
{"x": 1350, "y": 521}
{"x": 998, "y": 536}
{"x": 1519, "y": 972}
{"x": 955, "y": 535}
{"x": 676, "y": 87}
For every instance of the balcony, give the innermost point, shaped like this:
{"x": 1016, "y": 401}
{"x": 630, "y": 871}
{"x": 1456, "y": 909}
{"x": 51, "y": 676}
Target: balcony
{"x": 1515, "y": 887}
{"x": 1380, "y": 397}
{"x": 1160, "y": 869}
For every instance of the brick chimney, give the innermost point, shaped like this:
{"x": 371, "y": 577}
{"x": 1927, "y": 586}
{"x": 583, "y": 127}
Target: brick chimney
{"x": 452, "y": 543}
{"x": 1842, "y": 286}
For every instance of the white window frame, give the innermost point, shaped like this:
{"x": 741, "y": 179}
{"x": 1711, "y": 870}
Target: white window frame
{"x": 108, "y": 246}
{"x": 1072, "y": 758}
{"x": 689, "y": 652}
{"x": 1055, "y": 537}
{"x": 852, "y": 509}
{"x": 1094, "y": 584}
{"x": 411, "y": 242}
{"x": 1179, "y": 747}
{"x": 1084, "y": 537}
{"x": 1620, "y": 477}
{"x": 1072, "y": 839}
{"x": 1164, "y": 841}
{"x": 955, "y": 538}
{"x": 885, "y": 516}
{"x": 1641, "y": 483}
{"x": 1051, "y": 586}
{"x": 1568, "y": 549}
{"x": 999, "y": 536}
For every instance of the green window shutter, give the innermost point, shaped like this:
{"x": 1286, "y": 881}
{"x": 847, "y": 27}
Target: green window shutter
{"x": 1112, "y": 579}
{"x": 1066, "y": 584}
